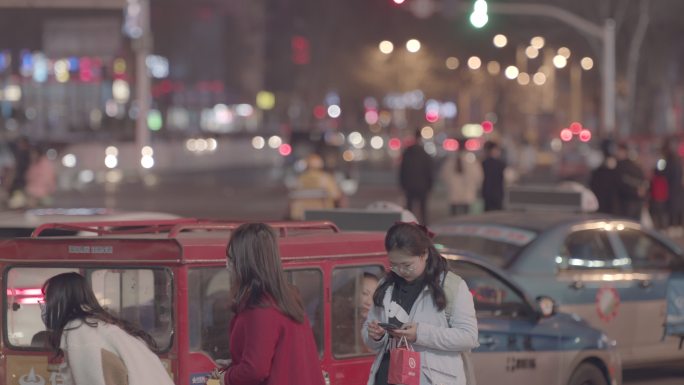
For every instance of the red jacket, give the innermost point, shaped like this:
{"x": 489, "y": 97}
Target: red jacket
{"x": 269, "y": 348}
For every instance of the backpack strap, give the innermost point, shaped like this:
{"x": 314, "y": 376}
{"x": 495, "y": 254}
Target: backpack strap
{"x": 451, "y": 283}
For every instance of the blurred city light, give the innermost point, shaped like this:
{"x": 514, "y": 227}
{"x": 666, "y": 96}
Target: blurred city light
{"x": 493, "y": 67}
{"x": 560, "y": 61}
{"x": 472, "y": 144}
{"x": 377, "y": 142}
{"x": 479, "y": 17}
{"x": 258, "y": 142}
{"x": 265, "y": 100}
{"x": 371, "y": 117}
{"x": 112, "y": 150}
{"x": 449, "y": 110}
{"x": 413, "y": 45}
{"x": 274, "y": 141}
{"x": 539, "y": 78}
{"x": 348, "y": 155}
{"x": 285, "y": 149}
{"x": 487, "y": 126}
{"x": 120, "y": 90}
{"x": 154, "y": 120}
{"x": 452, "y": 63}
{"x": 474, "y": 63}
{"x": 86, "y": 176}
{"x": 587, "y": 63}
{"x": 500, "y": 41}
{"x": 564, "y": 51}
{"x": 244, "y": 110}
{"x": 523, "y": 79}
{"x": 450, "y": 144}
{"x": 511, "y": 72}
{"x": 427, "y": 132}
{"x": 585, "y": 135}
{"x": 147, "y": 162}
{"x": 575, "y": 128}
{"x": 319, "y": 112}
{"x": 472, "y": 130}
{"x": 147, "y": 151}
{"x": 334, "y": 111}
{"x": 566, "y": 135}
{"x": 111, "y": 161}
{"x": 386, "y": 47}
{"x": 398, "y": 2}
{"x": 69, "y": 160}
{"x": 537, "y": 42}
{"x": 556, "y": 144}
{"x": 531, "y": 52}
{"x": 394, "y": 144}
{"x": 158, "y": 66}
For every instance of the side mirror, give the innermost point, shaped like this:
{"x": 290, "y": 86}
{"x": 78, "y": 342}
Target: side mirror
{"x": 547, "y": 306}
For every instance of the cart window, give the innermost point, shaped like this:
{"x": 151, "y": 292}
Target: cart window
{"x": 209, "y": 312}
{"x": 352, "y": 293}
{"x": 140, "y": 296}
{"x": 309, "y": 282}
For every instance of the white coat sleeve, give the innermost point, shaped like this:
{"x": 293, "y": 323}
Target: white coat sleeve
{"x": 462, "y": 333}
{"x": 84, "y": 356}
{"x": 374, "y": 314}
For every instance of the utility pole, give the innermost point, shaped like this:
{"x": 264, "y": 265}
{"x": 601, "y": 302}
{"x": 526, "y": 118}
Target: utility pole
{"x": 604, "y": 33}
{"x": 137, "y": 26}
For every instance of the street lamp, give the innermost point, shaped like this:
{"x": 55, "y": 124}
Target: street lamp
{"x": 605, "y": 33}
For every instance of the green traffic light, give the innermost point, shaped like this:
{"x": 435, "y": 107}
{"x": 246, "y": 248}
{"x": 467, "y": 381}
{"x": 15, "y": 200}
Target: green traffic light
{"x": 479, "y": 16}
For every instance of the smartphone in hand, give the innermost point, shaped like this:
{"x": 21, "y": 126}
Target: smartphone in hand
{"x": 387, "y": 326}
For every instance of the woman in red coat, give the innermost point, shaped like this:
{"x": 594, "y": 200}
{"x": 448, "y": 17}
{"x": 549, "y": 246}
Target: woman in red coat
{"x": 271, "y": 340}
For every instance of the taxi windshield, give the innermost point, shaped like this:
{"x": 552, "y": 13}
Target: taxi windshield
{"x": 498, "y": 244}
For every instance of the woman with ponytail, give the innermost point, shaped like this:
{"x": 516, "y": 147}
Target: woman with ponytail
{"x": 414, "y": 297}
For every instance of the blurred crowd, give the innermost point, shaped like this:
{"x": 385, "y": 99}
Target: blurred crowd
{"x": 28, "y": 177}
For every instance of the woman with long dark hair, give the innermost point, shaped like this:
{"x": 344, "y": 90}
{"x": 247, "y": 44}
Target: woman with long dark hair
{"x": 99, "y": 348}
{"x": 429, "y": 305}
{"x": 271, "y": 340}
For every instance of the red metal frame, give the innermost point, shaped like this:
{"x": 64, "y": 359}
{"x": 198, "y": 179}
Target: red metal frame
{"x": 318, "y": 245}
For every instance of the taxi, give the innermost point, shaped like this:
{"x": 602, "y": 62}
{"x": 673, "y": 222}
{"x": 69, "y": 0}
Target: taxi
{"x": 169, "y": 277}
{"x": 622, "y": 278}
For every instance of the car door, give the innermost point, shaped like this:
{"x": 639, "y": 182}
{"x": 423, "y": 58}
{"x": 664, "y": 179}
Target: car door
{"x": 514, "y": 344}
{"x": 651, "y": 263}
{"x": 594, "y": 284}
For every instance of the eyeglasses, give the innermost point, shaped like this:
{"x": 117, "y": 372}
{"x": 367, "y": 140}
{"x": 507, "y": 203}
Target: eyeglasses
{"x": 403, "y": 269}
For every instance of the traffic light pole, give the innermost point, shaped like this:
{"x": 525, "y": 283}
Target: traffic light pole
{"x": 143, "y": 48}
{"x": 605, "y": 33}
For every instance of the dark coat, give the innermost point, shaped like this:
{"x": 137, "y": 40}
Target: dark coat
{"x": 416, "y": 171}
{"x": 604, "y": 183}
{"x": 493, "y": 182}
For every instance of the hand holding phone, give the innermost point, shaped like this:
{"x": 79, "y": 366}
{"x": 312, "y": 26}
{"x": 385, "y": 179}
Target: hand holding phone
{"x": 387, "y": 326}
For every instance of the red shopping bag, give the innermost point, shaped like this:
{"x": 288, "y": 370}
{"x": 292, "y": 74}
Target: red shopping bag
{"x": 404, "y": 367}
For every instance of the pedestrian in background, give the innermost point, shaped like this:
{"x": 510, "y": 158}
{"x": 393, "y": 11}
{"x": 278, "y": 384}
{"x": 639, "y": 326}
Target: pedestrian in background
{"x": 99, "y": 348}
{"x": 658, "y": 197}
{"x": 271, "y": 340}
{"x": 41, "y": 179}
{"x": 493, "y": 181}
{"x": 415, "y": 177}
{"x": 316, "y": 189}
{"x": 462, "y": 175}
{"x": 672, "y": 169}
{"x": 631, "y": 188}
{"x": 604, "y": 180}
{"x": 414, "y": 296}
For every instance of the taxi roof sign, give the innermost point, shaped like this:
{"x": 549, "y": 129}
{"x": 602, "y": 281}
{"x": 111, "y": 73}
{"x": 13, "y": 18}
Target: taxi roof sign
{"x": 539, "y": 197}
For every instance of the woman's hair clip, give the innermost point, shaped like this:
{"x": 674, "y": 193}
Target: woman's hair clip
{"x": 422, "y": 227}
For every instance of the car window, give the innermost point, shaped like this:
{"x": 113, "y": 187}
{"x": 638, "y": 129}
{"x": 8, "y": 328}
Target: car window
{"x": 209, "y": 312}
{"x": 493, "y": 296}
{"x": 647, "y": 252}
{"x": 352, "y": 293}
{"x": 309, "y": 282}
{"x": 587, "y": 249}
{"x": 141, "y": 296}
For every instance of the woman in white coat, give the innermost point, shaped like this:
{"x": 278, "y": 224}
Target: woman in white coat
{"x": 413, "y": 297}
{"x": 462, "y": 174}
{"x": 99, "y": 349}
